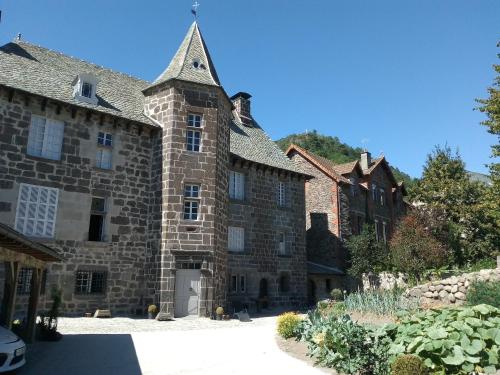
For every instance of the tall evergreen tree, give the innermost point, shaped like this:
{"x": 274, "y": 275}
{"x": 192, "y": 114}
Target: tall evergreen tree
{"x": 455, "y": 207}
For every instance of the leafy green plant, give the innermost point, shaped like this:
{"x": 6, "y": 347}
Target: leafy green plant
{"x": 336, "y": 295}
{"x": 366, "y": 253}
{"x": 152, "y": 309}
{"x": 47, "y": 325}
{"x": 484, "y": 292}
{"x": 380, "y": 302}
{"x": 288, "y": 324}
{"x": 342, "y": 344}
{"x": 408, "y": 364}
{"x": 451, "y": 341}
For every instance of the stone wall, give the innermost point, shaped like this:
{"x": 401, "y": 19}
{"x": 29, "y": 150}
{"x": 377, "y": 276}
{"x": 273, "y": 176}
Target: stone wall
{"x": 452, "y": 290}
{"x": 126, "y": 187}
{"x": 203, "y": 240}
{"x": 383, "y": 280}
{"x": 263, "y": 220}
{"x": 322, "y": 216}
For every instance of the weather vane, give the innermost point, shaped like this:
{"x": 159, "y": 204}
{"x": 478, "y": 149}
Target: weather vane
{"x": 194, "y": 9}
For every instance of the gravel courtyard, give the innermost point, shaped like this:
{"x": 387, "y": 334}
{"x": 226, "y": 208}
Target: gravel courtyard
{"x": 184, "y": 346}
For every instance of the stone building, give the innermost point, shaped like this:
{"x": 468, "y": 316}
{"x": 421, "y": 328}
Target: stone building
{"x": 164, "y": 192}
{"x": 340, "y": 199}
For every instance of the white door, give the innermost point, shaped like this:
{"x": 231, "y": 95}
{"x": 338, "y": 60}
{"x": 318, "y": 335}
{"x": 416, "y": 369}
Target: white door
{"x": 187, "y": 291}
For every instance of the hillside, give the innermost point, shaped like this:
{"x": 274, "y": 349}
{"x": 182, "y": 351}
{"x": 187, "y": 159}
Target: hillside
{"x": 332, "y": 148}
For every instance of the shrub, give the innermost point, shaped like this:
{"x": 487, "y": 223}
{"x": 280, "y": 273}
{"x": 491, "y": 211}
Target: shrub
{"x": 344, "y": 345}
{"x": 408, "y": 364}
{"x": 152, "y": 309}
{"x": 336, "y": 295}
{"x": 322, "y": 305}
{"x": 366, "y": 253}
{"x": 288, "y": 324}
{"x": 484, "y": 292}
{"x": 219, "y": 310}
{"x": 379, "y": 301}
{"x": 451, "y": 341}
{"x": 47, "y": 325}
{"x": 413, "y": 250}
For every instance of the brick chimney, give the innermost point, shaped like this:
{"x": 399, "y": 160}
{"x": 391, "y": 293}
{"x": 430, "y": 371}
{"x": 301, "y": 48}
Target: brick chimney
{"x": 241, "y": 102}
{"x": 366, "y": 159}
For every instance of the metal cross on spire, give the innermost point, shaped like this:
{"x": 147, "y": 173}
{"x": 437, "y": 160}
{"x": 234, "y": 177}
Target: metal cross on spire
{"x": 194, "y": 9}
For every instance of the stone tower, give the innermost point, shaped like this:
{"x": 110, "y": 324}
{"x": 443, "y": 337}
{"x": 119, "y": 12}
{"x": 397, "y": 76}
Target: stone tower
{"x": 194, "y": 111}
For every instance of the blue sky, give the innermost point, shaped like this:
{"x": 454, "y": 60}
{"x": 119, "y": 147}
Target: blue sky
{"x": 395, "y": 76}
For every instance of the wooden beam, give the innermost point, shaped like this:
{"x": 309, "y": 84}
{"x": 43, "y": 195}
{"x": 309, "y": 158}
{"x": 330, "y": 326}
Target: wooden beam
{"x": 10, "y": 292}
{"x": 43, "y": 104}
{"x": 73, "y": 112}
{"x": 36, "y": 282}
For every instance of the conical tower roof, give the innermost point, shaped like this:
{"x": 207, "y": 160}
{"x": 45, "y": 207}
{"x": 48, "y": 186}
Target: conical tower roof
{"x": 192, "y": 61}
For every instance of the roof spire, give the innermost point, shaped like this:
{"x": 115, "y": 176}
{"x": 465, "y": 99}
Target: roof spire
{"x": 194, "y": 10}
{"x": 192, "y": 61}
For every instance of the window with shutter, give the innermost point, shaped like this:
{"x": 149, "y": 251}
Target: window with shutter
{"x": 103, "y": 159}
{"x": 236, "y": 238}
{"x": 236, "y": 185}
{"x": 281, "y": 241}
{"x": 281, "y": 194}
{"x": 36, "y": 210}
{"x": 45, "y": 138}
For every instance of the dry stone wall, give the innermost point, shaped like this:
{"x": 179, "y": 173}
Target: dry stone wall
{"x": 452, "y": 290}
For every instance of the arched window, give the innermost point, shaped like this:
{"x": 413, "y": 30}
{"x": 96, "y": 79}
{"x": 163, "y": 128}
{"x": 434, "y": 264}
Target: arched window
{"x": 284, "y": 283}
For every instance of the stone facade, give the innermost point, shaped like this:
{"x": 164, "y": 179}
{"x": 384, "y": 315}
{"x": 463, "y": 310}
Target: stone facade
{"x": 452, "y": 290}
{"x": 147, "y": 242}
{"x": 263, "y": 220}
{"x": 339, "y": 201}
{"x": 126, "y": 189}
{"x": 205, "y": 240}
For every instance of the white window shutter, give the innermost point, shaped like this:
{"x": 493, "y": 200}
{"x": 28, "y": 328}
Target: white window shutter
{"x": 231, "y": 185}
{"x": 36, "y": 135}
{"x": 36, "y": 210}
{"x": 53, "y": 139}
{"x": 106, "y": 159}
{"x": 240, "y": 186}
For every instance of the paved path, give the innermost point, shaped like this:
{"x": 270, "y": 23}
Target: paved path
{"x": 186, "y": 346}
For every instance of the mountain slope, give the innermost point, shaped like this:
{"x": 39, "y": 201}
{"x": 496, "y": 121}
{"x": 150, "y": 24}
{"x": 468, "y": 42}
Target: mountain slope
{"x": 332, "y": 148}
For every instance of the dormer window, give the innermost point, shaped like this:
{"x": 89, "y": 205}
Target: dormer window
{"x": 84, "y": 88}
{"x": 197, "y": 64}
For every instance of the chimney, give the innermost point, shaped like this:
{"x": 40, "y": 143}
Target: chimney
{"x": 241, "y": 101}
{"x": 366, "y": 159}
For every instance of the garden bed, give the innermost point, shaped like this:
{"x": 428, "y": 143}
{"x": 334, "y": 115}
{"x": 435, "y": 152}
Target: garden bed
{"x": 298, "y": 350}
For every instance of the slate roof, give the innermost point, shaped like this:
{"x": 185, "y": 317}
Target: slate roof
{"x": 253, "y": 144}
{"x": 327, "y": 166}
{"x": 321, "y": 269}
{"x": 345, "y": 168}
{"x": 18, "y": 242}
{"x": 40, "y": 71}
{"x": 480, "y": 177}
{"x": 51, "y": 74}
{"x": 373, "y": 165}
{"x": 181, "y": 67}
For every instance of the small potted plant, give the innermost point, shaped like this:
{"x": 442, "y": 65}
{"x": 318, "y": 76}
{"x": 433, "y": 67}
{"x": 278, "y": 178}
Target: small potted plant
{"x": 219, "y": 311}
{"x": 152, "y": 311}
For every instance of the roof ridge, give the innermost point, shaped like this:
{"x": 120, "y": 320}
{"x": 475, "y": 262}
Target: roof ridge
{"x": 20, "y": 42}
{"x": 332, "y": 172}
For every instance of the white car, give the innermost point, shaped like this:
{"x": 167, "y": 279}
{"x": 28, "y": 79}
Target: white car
{"x": 12, "y": 350}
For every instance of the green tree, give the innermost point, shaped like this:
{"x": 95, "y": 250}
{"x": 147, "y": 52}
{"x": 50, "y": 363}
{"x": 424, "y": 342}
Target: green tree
{"x": 413, "y": 250}
{"x": 366, "y": 254}
{"x": 491, "y": 108}
{"x": 454, "y": 207}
